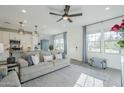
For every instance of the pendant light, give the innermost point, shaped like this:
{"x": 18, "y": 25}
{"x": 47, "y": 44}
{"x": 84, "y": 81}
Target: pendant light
{"x": 21, "y": 30}
{"x": 35, "y": 32}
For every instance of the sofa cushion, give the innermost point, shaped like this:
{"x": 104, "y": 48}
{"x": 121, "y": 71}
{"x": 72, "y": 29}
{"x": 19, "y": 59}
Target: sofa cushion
{"x": 29, "y": 60}
{"x": 22, "y": 62}
{"x": 35, "y": 68}
{"x": 25, "y": 54}
{"x": 63, "y": 61}
{"x": 58, "y": 56}
{"x": 43, "y": 70}
{"x": 44, "y": 53}
{"x": 48, "y": 58}
{"x": 35, "y": 59}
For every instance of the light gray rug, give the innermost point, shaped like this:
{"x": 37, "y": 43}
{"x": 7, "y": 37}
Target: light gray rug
{"x": 68, "y": 76}
{"x": 88, "y": 81}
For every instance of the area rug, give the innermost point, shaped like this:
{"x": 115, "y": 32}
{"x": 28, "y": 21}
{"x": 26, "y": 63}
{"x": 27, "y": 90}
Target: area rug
{"x": 88, "y": 81}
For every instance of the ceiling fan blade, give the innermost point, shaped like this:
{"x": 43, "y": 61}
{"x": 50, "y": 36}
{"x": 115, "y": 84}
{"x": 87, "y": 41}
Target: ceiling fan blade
{"x": 59, "y": 20}
{"x": 69, "y": 20}
{"x": 55, "y": 14}
{"x": 67, "y": 8}
{"x": 73, "y": 15}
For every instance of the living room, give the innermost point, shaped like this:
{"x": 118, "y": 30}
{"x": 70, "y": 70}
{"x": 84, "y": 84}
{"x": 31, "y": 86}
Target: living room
{"x": 60, "y": 46}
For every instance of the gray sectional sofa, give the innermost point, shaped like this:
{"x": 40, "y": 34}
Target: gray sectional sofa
{"x": 27, "y": 73}
{"x": 10, "y": 78}
{"x": 30, "y": 72}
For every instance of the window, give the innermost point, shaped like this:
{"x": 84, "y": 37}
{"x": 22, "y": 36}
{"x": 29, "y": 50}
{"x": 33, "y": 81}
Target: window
{"x": 59, "y": 42}
{"x": 110, "y": 42}
{"x": 94, "y": 42}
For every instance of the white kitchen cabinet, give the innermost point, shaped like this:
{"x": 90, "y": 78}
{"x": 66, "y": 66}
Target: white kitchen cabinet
{"x": 26, "y": 41}
{"x": 6, "y": 39}
{"x": 12, "y": 35}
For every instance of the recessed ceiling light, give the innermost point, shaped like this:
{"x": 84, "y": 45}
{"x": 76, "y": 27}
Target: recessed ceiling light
{"x": 24, "y": 11}
{"x": 107, "y": 8}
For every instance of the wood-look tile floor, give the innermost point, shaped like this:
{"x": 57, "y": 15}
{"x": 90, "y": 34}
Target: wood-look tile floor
{"x": 68, "y": 76}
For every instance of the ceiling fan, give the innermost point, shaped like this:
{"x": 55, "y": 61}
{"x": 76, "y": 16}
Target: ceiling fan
{"x": 66, "y": 16}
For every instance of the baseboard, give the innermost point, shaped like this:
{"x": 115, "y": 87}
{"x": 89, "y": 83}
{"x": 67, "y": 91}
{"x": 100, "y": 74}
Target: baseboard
{"x": 72, "y": 59}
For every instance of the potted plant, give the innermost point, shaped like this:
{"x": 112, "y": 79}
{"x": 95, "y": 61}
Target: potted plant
{"x": 119, "y": 28}
{"x": 51, "y": 47}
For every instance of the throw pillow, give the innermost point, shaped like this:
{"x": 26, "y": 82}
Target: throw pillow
{"x": 35, "y": 59}
{"x": 44, "y": 53}
{"x": 48, "y": 58}
{"x": 23, "y": 63}
{"x": 58, "y": 56}
{"x": 29, "y": 60}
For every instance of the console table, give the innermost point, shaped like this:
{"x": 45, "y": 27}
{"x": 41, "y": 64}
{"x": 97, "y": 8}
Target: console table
{"x": 13, "y": 67}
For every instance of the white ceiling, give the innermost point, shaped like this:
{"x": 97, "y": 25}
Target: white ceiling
{"x": 39, "y": 15}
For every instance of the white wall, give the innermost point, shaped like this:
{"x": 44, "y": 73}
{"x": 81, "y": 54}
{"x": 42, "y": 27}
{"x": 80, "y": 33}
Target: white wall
{"x": 74, "y": 38}
{"x": 47, "y": 37}
{"x": 113, "y": 60}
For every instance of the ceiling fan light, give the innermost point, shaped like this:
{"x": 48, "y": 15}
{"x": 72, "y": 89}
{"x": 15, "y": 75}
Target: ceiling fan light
{"x": 65, "y": 17}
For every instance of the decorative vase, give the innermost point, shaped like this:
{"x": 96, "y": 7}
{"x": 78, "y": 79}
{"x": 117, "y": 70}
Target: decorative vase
{"x": 122, "y": 67}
